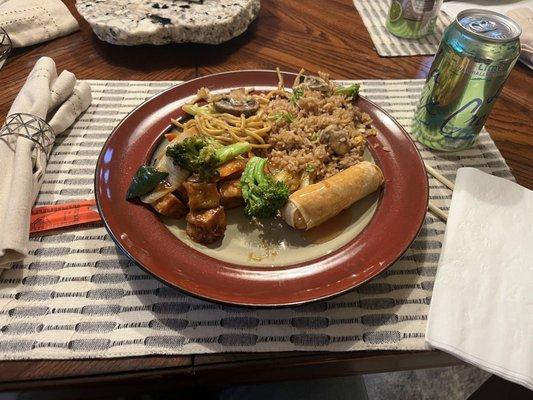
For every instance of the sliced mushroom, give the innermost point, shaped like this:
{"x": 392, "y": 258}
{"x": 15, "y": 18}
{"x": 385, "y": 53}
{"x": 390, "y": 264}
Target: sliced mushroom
{"x": 337, "y": 138}
{"x": 339, "y": 142}
{"x": 315, "y": 83}
{"x": 237, "y": 103}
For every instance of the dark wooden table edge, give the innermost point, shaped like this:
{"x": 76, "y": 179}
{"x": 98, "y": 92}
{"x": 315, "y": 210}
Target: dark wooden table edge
{"x": 217, "y": 369}
{"x": 255, "y": 368}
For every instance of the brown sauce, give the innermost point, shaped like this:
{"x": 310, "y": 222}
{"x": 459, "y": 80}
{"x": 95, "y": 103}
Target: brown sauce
{"x": 330, "y": 229}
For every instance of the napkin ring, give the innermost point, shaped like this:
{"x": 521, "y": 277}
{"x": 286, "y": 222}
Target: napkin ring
{"x": 29, "y": 127}
{"x": 5, "y": 46}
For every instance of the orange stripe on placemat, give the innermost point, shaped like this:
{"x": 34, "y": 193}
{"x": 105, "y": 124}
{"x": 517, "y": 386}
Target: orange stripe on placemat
{"x": 58, "y": 216}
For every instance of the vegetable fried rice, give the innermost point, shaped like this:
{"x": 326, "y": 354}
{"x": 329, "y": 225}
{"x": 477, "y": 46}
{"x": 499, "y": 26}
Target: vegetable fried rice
{"x": 319, "y": 131}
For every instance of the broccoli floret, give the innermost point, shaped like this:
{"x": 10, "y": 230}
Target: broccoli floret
{"x": 297, "y": 92}
{"x": 186, "y": 154}
{"x": 350, "y": 91}
{"x": 203, "y": 154}
{"x": 286, "y": 116}
{"x": 263, "y": 195}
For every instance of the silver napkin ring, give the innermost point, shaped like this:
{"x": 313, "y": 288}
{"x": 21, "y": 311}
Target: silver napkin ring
{"x": 30, "y": 127}
{"x": 5, "y": 46}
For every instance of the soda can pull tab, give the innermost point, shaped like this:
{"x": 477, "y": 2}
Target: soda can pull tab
{"x": 482, "y": 26}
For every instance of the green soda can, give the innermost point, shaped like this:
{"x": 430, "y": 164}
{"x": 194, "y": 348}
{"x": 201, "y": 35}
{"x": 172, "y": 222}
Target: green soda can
{"x": 474, "y": 59}
{"x": 412, "y": 19}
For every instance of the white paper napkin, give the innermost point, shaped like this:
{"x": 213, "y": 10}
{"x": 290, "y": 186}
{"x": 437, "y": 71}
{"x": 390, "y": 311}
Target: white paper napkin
{"x": 29, "y": 22}
{"x": 482, "y": 305}
{"x": 520, "y": 11}
{"x": 452, "y": 8}
{"x": 58, "y": 100}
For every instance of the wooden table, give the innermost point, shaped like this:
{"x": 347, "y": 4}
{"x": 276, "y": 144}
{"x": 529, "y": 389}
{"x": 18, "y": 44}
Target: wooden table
{"x": 315, "y": 35}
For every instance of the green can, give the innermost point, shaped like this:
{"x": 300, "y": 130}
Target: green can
{"x": 412, "y": 19}
{"x": 474, "y": 59}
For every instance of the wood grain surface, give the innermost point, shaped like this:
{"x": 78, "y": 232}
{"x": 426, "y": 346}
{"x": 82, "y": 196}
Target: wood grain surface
{"x": 313, "y": 34}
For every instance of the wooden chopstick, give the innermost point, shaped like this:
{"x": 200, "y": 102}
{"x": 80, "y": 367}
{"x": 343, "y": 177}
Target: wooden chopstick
{"x": 437, "y": 211}
{"x": 439, "y": 177}
{"x": 432, "y": 207}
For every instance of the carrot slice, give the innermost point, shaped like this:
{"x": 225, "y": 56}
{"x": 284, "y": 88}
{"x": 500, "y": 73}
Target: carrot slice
{"x": 171, "y": 136}
{"x": 231, "y": 168}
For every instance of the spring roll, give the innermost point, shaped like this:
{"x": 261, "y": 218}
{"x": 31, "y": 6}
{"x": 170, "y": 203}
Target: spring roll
{"x": 314, "y": 204}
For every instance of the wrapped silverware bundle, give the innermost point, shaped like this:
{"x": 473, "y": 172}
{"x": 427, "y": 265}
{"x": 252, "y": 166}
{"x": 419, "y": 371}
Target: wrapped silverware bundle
{"x": 5, "y": 46}
{"x": 46, "y": 106}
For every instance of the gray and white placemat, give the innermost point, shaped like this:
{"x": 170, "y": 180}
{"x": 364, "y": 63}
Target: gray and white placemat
{"x": 77, "y": 296}
{"x": 374, "y": 15}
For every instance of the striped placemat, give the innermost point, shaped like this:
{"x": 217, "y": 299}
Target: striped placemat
{"x": 77, "y": 296}
{"x": 374, "y": 15}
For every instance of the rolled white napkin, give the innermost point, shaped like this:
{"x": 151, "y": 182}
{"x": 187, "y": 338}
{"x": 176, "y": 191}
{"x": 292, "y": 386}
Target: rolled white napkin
{"x": 58, "y": 100}
{"x": 482, "y": 305}
{"x": 29, "y": 22}
{"x": 520, "y": 11}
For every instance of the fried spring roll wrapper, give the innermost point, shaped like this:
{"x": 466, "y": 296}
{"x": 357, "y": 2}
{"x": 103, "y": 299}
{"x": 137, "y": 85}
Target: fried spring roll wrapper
{"x": 315, "y": 204}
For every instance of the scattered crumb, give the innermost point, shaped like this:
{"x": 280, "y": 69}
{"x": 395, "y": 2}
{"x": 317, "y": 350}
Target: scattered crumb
{"x": 269, "y": 252}
{"x": 254, "y": 257}
{"x": 385, "y": 148}
{"x": 272, "y": 253}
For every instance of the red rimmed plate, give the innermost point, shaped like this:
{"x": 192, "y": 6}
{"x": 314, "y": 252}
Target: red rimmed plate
{"x": 271, "y": 265}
